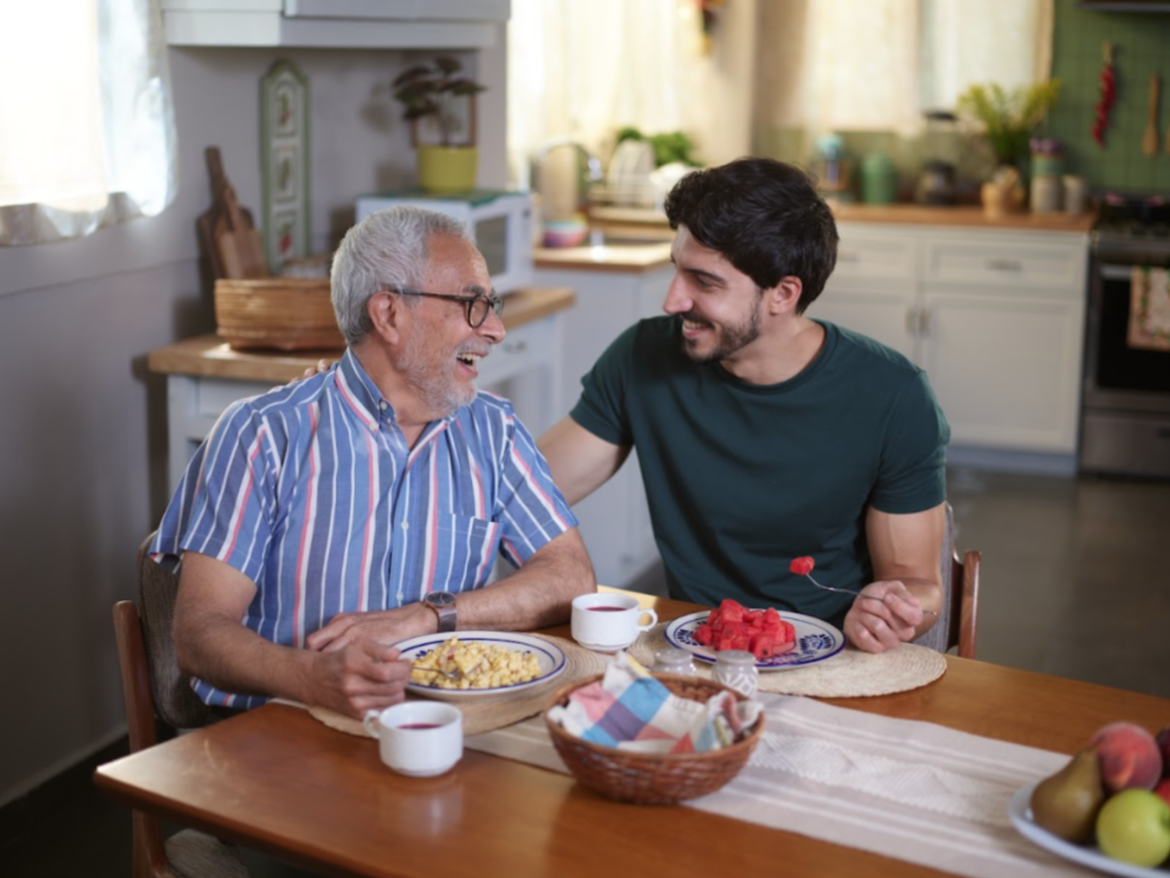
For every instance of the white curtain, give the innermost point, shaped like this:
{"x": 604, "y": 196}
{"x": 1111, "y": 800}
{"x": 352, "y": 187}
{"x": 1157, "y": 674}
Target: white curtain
{"x": 877, "y": 65}
{"x": 584, "y": 68}
{"x": 87, "y": 134}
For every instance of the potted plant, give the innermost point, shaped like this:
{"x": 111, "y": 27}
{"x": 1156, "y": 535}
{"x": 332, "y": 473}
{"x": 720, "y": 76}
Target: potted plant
{"x": 436, "y": 91}
{"x": 1009, "y": 117}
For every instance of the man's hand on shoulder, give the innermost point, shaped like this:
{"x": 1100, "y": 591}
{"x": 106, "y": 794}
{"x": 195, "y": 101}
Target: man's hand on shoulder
{"x": 878, "y": 625}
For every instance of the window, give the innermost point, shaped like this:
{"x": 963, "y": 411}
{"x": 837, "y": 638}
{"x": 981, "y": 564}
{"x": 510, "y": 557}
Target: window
{"x": 87, "y": 134}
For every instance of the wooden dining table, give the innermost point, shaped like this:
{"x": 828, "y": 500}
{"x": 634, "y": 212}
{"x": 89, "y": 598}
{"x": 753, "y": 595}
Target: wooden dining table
{"x": 277, "y": 780}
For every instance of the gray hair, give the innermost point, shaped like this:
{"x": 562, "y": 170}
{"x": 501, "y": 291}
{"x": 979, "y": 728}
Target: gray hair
{"x": 386, "y": 249}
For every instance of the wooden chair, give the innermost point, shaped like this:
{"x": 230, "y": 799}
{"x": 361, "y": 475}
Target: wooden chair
{"x": 158, "y": 699}
{"x": 956, "y": 626}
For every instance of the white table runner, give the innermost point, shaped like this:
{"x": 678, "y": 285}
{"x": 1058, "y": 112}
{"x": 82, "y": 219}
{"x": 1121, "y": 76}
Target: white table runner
{"x": 905, "y": 789}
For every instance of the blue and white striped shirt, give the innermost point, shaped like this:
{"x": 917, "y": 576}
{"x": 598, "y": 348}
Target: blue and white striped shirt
{"x": 311, "y": 492}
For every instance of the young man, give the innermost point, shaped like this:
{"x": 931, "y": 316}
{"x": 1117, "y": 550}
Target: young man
{"x": 322, "y": 522}
{"x": 764, "y": 435}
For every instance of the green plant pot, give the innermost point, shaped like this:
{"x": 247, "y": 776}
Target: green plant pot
{"x": 447, "y": 169}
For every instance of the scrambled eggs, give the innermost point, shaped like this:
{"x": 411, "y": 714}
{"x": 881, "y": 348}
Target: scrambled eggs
{"x": 481, "y": 666}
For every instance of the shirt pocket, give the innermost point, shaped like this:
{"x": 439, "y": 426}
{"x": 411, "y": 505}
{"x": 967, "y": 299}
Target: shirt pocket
{"x": 466, "y": 551}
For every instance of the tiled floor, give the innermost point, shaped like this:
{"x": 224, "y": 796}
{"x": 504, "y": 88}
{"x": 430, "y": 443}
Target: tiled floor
{"x": 1075, "y": 583}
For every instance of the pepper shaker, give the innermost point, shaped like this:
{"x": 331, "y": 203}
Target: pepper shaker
{"x": 736, "y": 669}
{"x": 672, "y": 660}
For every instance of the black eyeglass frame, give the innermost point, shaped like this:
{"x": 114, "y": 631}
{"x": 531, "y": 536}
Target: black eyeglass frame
{"x": 494, "y": 303}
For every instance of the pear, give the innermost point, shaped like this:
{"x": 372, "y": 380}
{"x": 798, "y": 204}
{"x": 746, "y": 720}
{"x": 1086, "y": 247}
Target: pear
{"x": 1067, "y": 803}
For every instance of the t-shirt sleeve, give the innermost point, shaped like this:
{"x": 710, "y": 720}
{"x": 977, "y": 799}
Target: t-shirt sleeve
{"x": 224, "y": 505}
{"x": 532, "y": 510}
{"x": 913, "y": 465}
{"x": 602, "y": 407}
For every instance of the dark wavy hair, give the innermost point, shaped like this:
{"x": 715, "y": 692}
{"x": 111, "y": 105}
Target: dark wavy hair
{"x": 765, "y": 217}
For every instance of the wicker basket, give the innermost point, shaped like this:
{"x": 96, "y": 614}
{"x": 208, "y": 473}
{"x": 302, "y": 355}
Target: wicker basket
{"x": 282, "y": 313}
{"x": 645, "y": 778}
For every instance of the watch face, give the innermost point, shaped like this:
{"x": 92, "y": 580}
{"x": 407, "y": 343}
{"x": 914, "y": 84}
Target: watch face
{"x": 440, "y": 599}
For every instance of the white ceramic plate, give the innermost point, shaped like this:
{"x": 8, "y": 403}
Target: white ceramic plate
{"x": 1087, "y": 855}
{"x": 550, "y": 657}
{"x": 815, "y": 641}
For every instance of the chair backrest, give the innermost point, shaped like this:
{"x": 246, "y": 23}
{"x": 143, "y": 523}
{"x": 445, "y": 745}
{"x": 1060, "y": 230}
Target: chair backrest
{"x": 960, "y": 583}
{"x": 154, "y": 688}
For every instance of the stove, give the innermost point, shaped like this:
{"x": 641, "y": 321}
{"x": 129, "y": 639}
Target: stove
{"x": 1125, "y": 421}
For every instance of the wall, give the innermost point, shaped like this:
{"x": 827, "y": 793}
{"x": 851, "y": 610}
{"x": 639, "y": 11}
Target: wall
{"x": 82, "y": 439}
{"x": 1140, "y": 50}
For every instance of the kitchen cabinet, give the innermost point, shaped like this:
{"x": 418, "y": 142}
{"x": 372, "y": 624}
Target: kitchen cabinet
{"x": 995, "y": 317}
{"x": 615, "y": 519}
{"x": 350, "y": 24}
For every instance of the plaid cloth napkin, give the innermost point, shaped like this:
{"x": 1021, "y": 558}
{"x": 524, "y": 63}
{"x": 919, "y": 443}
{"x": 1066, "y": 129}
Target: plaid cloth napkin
{"x": 630, "y": 710}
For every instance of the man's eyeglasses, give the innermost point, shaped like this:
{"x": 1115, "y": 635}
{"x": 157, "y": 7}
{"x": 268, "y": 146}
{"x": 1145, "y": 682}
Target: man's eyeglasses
{"x": 477, "y": 306}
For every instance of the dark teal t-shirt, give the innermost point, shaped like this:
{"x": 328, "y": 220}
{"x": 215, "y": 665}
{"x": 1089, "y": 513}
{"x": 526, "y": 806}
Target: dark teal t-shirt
{"x": 742, "y": 478}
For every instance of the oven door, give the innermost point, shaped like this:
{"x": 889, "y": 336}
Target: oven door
{"x": 1125, "y": 428}
{"x": 1118, "y": 374}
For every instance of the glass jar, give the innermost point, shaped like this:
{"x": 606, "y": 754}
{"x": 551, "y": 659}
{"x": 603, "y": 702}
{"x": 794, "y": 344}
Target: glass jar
{"x": 672, "y": 660}
{"x": 736, "y": 669}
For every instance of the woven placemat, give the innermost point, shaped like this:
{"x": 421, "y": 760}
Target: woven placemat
{"x": 851, "y": 673}
{"x": 484, "y": 716}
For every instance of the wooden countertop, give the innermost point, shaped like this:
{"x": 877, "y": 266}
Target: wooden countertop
{"x": 208, "y": 356}
{"x": 966, "y": 216}
{"x": 626, "y": 257}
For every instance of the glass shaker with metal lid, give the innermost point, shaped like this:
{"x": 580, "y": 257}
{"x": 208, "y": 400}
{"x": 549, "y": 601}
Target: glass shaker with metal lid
{"x": 736, "y": 669}
{"x": 672, "y": 660}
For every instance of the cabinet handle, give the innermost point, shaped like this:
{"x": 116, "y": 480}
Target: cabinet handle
{"x": 516, "y": 347}
{"x": 1004, "y": 265}
{"x": 923, "y": 321}
{"x": 912, "y": 320}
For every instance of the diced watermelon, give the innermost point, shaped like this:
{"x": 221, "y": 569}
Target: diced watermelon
{"x": 731, "y": 611}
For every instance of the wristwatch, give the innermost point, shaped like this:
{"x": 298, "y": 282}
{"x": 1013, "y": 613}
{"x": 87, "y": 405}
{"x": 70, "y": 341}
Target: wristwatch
{"x": 443, "y": 603}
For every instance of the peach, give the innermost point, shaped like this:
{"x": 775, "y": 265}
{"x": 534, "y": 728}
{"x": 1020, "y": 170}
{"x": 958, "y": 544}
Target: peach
{"x": 1128, "y": 755}
{"x": 1163, "y": 739}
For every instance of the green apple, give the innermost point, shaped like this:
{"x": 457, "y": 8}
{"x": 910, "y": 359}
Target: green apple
{"x": 1134, "y": 826}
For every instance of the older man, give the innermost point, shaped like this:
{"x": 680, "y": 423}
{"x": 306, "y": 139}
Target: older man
{"x": 324, "y": 521}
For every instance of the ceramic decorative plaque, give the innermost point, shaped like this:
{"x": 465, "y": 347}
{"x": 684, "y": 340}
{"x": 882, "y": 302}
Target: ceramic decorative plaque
{"x": 284, "y": 162}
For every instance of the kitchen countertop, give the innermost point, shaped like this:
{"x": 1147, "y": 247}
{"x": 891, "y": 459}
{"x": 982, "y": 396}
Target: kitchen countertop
{"x": 208, "y": 355}
{"x": 630, "y": 256}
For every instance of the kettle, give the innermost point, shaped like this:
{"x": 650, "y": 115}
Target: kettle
{"x": 936, "y": 183}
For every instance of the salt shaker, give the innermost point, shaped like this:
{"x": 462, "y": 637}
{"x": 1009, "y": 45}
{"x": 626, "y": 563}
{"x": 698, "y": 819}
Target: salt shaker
{"x": 736, "y": 669}
{"x": 672, "y": 660}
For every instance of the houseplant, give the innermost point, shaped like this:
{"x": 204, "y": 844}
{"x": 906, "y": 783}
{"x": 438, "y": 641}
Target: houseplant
{"x": 438, "y": 93}
{"x": 1009, "y": 117}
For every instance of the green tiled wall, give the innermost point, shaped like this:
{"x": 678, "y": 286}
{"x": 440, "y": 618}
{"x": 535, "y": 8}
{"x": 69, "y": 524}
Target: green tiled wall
{"x": 1141, "y": 44}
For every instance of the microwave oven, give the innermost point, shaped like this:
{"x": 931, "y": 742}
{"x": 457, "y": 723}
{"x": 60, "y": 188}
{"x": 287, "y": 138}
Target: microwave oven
{"x": 500, "y": 222}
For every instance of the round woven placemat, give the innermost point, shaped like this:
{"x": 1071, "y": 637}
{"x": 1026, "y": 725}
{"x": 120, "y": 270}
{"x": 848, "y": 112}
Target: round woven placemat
{"x": 484, "y": 716}
{"x": 851, "y": 673}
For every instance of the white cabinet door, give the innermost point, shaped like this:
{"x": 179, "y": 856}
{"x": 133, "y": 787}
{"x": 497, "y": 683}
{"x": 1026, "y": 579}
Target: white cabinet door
{"x": 888, "y": 316}
{"x": 1006, "y": 367}
{"x": 615, "y": 519}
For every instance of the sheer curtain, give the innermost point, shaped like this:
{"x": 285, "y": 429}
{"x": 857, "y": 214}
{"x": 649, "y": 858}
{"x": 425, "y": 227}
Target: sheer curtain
{"x": 584, "y": 69}
{"x": 87, "y": 134}
{"x": 877, "y": 65}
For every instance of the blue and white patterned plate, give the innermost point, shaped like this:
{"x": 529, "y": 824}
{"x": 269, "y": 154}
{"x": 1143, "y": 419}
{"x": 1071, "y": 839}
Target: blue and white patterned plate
{"x": 549, "y": 656}
{"x": 815, "y": 641}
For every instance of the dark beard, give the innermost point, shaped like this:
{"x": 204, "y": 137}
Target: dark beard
{"x": 731, "y": 339}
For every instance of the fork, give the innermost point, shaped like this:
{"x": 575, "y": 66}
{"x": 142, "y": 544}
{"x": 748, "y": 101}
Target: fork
{"x": 860, "y": 594}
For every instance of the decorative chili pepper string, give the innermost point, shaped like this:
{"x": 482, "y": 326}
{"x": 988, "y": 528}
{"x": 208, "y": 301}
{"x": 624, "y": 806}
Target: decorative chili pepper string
{"x": 1108, "y": 97}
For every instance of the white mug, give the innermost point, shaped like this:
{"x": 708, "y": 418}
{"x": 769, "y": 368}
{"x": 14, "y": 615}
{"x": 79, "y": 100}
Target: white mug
{"x": 609, "y": 622}
{"x": 418, "y": 738}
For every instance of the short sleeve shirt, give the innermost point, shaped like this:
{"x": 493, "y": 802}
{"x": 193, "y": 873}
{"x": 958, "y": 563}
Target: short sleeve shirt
{"x": 312, "y": 493}
{"x": 742, "y": 478}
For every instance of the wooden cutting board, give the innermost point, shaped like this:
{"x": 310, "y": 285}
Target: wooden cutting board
{"x": 226, "y": 231}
